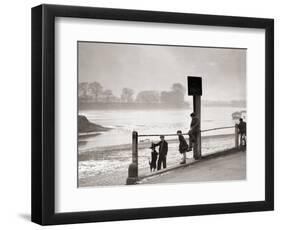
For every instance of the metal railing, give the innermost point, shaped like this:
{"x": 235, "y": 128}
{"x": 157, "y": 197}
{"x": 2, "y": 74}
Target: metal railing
{"x": 133, "y": 167}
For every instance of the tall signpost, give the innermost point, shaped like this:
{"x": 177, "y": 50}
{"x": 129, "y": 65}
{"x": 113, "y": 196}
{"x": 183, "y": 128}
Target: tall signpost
{"x": 195, "y": 89}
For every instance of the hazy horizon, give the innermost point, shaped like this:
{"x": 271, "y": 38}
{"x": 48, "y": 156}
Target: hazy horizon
{"x": 150, "y": 67}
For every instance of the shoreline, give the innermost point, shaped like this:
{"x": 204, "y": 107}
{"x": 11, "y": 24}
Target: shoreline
{"x": 85, "y": 106}
{"x": 131, "y": 106}
{"x": 105, "y": 168}
{"x": 142, "y": 145}
{"x": 86, "y": 127}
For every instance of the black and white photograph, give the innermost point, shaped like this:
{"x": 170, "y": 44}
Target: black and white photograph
{"x": 149, "y": 113}
{"x": 154, "y": 114}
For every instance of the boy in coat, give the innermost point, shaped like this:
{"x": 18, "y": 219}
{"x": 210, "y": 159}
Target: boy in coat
{"x": 183, "y": 146}
{"x": 163, "y": 151}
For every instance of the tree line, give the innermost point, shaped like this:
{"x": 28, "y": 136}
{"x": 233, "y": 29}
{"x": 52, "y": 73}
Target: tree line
{"x": 93, "y": 92}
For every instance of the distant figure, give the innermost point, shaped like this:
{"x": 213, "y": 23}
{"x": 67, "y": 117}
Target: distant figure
{"x": 183, "y": 146}
{"x": 242, "y": 131}
{"x": 194, "y": 130}
{"x": 154, "y": 155}
{"x": 163, "y": 151}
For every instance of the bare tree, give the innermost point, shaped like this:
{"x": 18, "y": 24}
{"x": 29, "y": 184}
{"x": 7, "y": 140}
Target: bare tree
{"x": 108, "y": 95}
{"x": 175, "y": 96}
{"x": 178, "y": 87}
{"x": 148, "y": 96}
{"x": 127, "y": 95}
{"x": 95, "y": 89}
{"x": 178, "y": 91}
{"x": 166, "y": 97}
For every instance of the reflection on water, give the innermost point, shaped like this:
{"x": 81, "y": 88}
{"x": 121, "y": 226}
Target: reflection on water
{"x": 123, "y": 122}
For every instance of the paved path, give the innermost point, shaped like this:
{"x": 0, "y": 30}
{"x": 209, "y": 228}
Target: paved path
{"x": 228, "y": 167}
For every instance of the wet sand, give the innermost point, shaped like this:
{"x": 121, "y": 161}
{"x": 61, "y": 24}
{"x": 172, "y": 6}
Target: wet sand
{"x": 108, "y": 169}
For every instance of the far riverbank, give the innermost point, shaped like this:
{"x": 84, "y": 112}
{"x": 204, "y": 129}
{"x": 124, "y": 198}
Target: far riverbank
{"x": 131, "y": 106}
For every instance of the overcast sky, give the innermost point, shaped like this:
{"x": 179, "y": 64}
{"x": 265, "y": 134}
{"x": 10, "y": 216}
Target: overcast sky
{"x": 148, "y": 67}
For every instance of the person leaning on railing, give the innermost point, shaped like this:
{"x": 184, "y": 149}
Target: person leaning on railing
{"x": 194, "y": 130}
{"x": 242, "y": 131}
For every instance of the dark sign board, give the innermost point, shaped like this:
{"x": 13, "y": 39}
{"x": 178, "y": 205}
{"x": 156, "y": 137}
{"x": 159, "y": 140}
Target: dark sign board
{"x": 194, "y": 85}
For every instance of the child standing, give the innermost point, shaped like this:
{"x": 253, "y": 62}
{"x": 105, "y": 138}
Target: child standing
{"x": 154, "y": 155}
{"x": 183, "y": 146}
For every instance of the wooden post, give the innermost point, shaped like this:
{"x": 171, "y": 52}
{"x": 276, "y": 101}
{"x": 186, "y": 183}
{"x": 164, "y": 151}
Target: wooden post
{"x": 197, "y": 110}
{"x": 195, "y": 89}
{"x": 236, "y": 137}
{"x": 133, "y": 167}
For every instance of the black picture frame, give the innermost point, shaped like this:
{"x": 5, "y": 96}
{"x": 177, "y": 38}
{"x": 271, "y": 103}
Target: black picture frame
{"x": 43, "y": 114}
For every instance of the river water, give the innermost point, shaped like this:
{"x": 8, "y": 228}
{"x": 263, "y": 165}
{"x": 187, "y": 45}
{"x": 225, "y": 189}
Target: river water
{"x": 109, "y": 153}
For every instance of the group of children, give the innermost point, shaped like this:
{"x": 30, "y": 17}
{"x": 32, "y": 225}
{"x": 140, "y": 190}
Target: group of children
{"x": 159, "y": 158}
